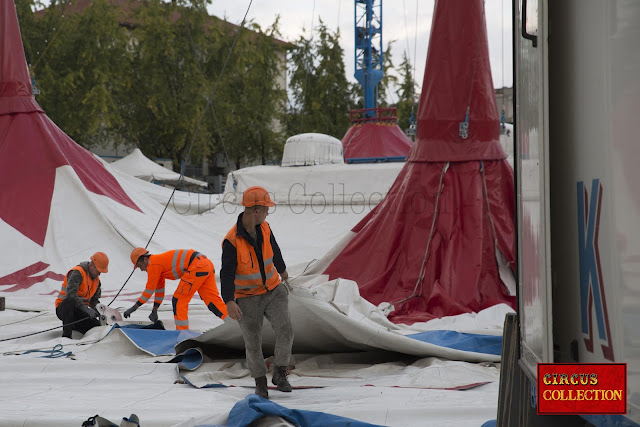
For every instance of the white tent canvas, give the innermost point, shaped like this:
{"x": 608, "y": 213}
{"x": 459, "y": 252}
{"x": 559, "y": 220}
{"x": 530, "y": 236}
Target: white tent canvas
{"x": 318, "y": 186}
{"x": 138, "y": 165}
{"x": 312, "y": 149}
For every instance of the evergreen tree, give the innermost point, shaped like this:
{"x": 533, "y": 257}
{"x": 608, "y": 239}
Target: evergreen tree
{"x": 192, "y": 106}
{"x": 388, "y": 79}
{"x": 321, "y": 93}
{"x": 169, "y": 90}
{"x": 24, "y": 10}
{"x": 407, "y": 97}
{"x": 252, "y": 115}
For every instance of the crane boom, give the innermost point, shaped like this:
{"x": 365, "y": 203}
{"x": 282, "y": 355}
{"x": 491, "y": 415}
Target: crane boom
{"x": 369, "y": 55}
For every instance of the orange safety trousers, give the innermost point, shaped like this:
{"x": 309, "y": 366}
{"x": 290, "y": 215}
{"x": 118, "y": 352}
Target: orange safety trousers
{"x": 199, "y": 278}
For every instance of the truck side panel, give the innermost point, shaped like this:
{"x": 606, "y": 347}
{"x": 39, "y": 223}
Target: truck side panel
{"x": 594, "y": 98}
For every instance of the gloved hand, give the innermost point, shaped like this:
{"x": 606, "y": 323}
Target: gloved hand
{"x": 92, "y": 312}
{"x": 153, "y": 316}
{"x": 127, "y": 313}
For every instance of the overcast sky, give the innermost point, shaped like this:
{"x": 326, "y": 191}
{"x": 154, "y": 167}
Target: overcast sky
{"x": 399, "y": 23}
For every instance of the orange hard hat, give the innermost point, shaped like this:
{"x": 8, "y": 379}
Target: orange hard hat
{"x": 256, "y": 195}
{"x": 100, "y": 261}
{"x": 136, "y": 254}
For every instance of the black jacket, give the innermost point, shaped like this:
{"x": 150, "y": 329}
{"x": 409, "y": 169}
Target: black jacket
{"x": 230, "y": 259}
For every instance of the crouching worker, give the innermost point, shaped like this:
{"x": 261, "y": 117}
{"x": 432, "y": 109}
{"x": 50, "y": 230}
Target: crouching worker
{"x": 196, "y": 273}
{"x": 251, "y": 287}
{"x": 80, "y": 293}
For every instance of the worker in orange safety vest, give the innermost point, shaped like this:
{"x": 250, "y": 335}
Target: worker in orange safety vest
{"x": 79, "y": 295}
{"x": 196, "y": 274}
{"x": 251, "y": 277}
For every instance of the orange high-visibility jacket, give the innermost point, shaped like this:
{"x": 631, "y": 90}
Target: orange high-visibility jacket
{"x": 248, "y": 280}
{"x": 87, "y": 288}
{"x": 170, "y": 265}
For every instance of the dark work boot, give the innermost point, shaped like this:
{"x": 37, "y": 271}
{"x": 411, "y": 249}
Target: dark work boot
{"x": 280, "y": 378}
{"x": 261, "y": 387}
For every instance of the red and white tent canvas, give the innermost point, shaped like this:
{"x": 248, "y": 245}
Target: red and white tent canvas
{"x": 59, "y": 203}
{"x": 438, "y": 243}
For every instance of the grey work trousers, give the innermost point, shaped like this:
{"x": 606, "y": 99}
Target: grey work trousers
{"x": 274, "y": 305}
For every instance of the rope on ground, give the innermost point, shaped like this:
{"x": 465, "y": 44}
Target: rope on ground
{"x": 20, "y": 352}
{"x": 54, "y": 353}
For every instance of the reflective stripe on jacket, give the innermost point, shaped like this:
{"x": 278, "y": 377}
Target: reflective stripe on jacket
{"x": 174, "y": 263}
{"x": 248, "y": 279}
{"x": 170, "y": 265}
{"x": 86, "y": 289}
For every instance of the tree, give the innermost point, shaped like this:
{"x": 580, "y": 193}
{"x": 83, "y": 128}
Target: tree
{"x": 153, "y": 77}
{"x": 407, "y": 97}
{"x": 322, "y": 96}
{"x": 388, "y": 78}
{"x": 185, "y": 105}
{"x": 255, "y": 99}
{"x": 24, "y": 10}
{"x": 81, "y": 64}
{"x": 169, "y": 89}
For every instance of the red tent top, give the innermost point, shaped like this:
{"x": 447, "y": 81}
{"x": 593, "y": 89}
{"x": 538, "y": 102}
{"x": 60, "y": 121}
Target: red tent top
{"x": 32, "y": 147}
{"x": 375, "y": 141}
{"x": 429, "y": 248}
{"x": 15, "y": 84}
{"x": 457, "y": 76}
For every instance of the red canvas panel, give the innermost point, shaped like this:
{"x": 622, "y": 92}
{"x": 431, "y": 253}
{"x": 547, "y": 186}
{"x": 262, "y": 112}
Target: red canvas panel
{"x": 443, "y": 226}
{"x": 375, "y": 141}
{"x": 32, "y": 147}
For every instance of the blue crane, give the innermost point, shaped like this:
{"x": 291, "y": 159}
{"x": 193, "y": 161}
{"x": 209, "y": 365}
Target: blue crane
{"x": 369, "y": 56}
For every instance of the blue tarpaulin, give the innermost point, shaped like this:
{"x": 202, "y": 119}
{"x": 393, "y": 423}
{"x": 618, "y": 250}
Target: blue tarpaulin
{"x": 155, "y": 341}
{"x": 254, "y": 407}
{"x": 489, "y": 344}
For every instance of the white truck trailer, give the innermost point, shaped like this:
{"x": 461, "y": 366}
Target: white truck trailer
{"x": 577, "y": 168}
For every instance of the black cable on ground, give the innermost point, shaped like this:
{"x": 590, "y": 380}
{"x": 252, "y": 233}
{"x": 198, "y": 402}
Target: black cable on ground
{"x": 46, "y": 330}
{"x": 22, "y": 320}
